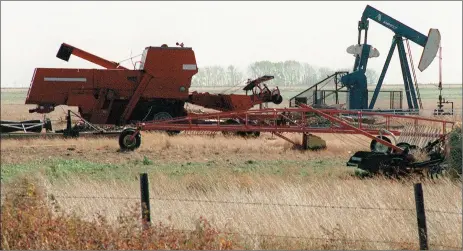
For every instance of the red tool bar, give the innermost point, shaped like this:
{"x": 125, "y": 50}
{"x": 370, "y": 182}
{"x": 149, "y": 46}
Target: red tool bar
{"x": 274, "y": 114}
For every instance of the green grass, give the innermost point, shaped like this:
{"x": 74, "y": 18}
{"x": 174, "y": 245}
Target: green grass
{"x": 57, "y": 169}
{"x": 9, "y": 171}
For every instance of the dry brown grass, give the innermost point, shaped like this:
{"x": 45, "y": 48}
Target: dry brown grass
{"x": 159, "y": 146}
{"x": 28, "y": 222}
{"x": 249, "y": 220}
{"x": 327, "y": 208}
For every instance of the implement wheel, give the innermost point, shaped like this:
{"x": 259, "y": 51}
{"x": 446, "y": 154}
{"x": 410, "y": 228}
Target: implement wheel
{"x": 125, "y": 141}
{"x": 375, "y": 146}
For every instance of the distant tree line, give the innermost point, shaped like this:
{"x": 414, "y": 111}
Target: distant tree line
{"x": 287, "y": 74}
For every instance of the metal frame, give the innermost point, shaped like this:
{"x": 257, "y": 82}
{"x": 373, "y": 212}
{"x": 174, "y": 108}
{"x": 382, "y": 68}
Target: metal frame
{"x": 266, "y": 120}
{"x": 410, "y": 90}
{"x": 22, "y": 126}
{"x": 66, "y": 132}
{"x": 392, "y": 99}
{"x": 337, "y": 78}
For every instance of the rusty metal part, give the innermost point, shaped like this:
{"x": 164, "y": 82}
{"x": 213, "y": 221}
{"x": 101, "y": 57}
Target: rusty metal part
{"x": 260, "y": 93}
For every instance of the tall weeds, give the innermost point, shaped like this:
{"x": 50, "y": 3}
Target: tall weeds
{"x": 28, "y": 222}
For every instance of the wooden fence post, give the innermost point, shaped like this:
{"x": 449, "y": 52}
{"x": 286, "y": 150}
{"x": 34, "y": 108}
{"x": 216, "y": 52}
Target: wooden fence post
{"x": 421, "y": 217}
{"x": 145, "y": 200}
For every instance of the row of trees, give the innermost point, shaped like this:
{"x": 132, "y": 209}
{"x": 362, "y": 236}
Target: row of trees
{"x": 288, "y": 73}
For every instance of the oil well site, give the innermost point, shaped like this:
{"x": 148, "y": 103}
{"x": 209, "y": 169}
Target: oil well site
{"x": 134, "y": 154}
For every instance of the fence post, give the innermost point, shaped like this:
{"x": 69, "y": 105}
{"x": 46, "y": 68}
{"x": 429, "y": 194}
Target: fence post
{"x": 421, "y": 217}
{"x": 145, "y": 200}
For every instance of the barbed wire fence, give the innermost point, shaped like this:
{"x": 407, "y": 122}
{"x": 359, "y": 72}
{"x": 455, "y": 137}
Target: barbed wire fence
{"x": 258, "y": 203}
{"x": 145, "y": 200}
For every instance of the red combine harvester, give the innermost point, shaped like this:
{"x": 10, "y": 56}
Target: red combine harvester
{"x": 158, "y": 89}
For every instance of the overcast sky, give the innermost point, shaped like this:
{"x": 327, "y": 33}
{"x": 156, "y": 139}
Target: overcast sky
{"x": 221, "y": 33}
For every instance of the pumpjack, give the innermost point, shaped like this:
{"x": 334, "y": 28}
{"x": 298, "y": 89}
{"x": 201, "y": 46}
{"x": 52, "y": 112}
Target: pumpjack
{"x": 385, "y": 157}
{"x": 356, "y": 81}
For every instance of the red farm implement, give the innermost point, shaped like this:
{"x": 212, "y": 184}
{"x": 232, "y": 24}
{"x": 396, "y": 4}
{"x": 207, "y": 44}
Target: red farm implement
{"x": 386, "y": 155}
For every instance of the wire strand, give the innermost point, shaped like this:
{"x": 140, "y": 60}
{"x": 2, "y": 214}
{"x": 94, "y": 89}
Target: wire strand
{"x": 250, "y": 203}
{"x": 256, "y": 203}
{"x": 280, "y": 204}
